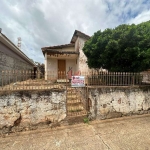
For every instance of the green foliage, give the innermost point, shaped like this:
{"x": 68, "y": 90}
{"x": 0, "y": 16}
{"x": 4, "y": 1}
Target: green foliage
{"x": 124, "y": 48}
{"x": 86, "y": 120}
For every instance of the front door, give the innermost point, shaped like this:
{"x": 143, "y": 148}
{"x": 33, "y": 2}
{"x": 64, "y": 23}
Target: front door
{"x": 61, "y": 69}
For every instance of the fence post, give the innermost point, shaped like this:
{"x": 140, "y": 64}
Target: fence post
{"x": 133, "y": 78}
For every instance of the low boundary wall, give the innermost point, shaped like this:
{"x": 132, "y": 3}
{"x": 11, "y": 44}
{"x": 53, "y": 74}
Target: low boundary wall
{"x": 30, "y": 109}
{"x": 113, "y": 102}
{"x": 27, "y": 110}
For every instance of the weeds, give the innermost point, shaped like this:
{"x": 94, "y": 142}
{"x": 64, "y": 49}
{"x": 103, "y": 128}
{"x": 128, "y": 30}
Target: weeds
{"x": 86, "y": 120}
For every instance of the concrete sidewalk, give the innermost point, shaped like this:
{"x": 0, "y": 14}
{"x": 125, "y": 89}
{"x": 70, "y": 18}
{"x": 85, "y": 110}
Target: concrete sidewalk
{"x": 128, "y": 133}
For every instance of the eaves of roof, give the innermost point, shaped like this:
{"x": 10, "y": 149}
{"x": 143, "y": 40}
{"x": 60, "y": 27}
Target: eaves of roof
{"x": 52, "y": 51}
{"x": 79, "y": 34}
{"x": 55, "y": 48}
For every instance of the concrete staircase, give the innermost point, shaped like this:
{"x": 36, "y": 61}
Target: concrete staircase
{"x": 75, "y": 106}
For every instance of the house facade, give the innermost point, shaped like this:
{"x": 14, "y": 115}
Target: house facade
{"x": 66, "y": 59}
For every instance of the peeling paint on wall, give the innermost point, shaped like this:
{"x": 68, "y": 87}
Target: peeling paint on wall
{"x": 109, "y": 102}
{"x": 28, "y": 109}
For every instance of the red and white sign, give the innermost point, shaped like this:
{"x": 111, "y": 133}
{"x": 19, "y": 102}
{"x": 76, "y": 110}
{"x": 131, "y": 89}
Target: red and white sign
{"x": 77, "y": 81}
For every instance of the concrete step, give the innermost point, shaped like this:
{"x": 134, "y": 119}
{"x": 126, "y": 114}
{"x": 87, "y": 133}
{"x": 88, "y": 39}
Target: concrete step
{"x": 79, "y": 113}
{"x": 72, "y": 96}
{"x": 72, "y": 92}
{"x": 71, "y": 89}
{"x": 72, "y": 101}
{"x": 74, "y": 118}
{"x": 75, "y": 108}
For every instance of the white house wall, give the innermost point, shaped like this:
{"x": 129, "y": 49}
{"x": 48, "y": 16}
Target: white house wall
{"x": 82, "y": 65}
{"x": 52, "y": 66}
{"x": 77, "y": 45}
{"x": 77, "y": 50}
{"x": 71, "y": 63}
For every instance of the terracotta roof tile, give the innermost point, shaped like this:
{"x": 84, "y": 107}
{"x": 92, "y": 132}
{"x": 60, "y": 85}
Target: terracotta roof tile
{"x": 58, "y": 46}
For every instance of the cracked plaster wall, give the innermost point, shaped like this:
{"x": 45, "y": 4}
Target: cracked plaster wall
{"x": 83, "y": 67}
{"x": 31, "y": 108}
{"x": 117, "y": 102}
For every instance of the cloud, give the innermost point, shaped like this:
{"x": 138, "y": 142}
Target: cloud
{"x": 43, "y": 23}
{"x": 144, "y": 16}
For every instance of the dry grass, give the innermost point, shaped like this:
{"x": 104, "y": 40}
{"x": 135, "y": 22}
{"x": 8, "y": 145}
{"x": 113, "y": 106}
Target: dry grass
{"x": 33, "y": 85}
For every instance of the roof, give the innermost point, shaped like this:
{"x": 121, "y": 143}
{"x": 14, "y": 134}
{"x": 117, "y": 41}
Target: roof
{"x": 79, "y": 34}
{"x": 54, "y": 49}
{"x": 51, "y": 52}
{"x": 14, "y": 48}
{"x": 58, "y": 46}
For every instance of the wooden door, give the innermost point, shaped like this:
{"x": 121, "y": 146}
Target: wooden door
{"x": 61, "y": 69}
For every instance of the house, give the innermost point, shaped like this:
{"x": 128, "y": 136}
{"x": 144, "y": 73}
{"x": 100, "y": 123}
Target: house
{"x": 66, "y": 59}
{"x": 12, "y": 58}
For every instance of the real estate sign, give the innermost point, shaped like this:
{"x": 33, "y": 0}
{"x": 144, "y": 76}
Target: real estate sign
{"x": 77, "y": 81}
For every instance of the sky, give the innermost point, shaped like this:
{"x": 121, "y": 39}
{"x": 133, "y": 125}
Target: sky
{"x": 42, "y": 23}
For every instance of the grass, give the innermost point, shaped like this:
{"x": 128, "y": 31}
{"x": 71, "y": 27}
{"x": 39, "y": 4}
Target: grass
{"x": 86, "y": 120}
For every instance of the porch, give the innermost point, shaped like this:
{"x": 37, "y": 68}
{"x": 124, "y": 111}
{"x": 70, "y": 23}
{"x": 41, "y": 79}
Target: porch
{"x": 61, "y": 60}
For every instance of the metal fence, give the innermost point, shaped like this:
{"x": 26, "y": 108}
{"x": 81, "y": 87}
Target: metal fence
{"x": 118, "y": 78}
{"x": 106, "y": 78}
{"x": 76, "y": 97}
{"x": 21, "y": 79}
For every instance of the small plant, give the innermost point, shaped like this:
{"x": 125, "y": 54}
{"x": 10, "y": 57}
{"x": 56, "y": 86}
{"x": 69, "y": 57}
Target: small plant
{"x": 86, "y": 120}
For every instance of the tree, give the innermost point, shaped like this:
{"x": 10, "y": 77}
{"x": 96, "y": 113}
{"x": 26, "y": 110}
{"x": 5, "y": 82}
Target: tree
{"x": 40, "y": 67}
{"x": 124, "y": 48}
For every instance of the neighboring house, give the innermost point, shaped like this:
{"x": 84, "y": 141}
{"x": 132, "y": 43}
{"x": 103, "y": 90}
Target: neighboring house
{"x": 68, "y": 58}
{"x": 12, "y": 58}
